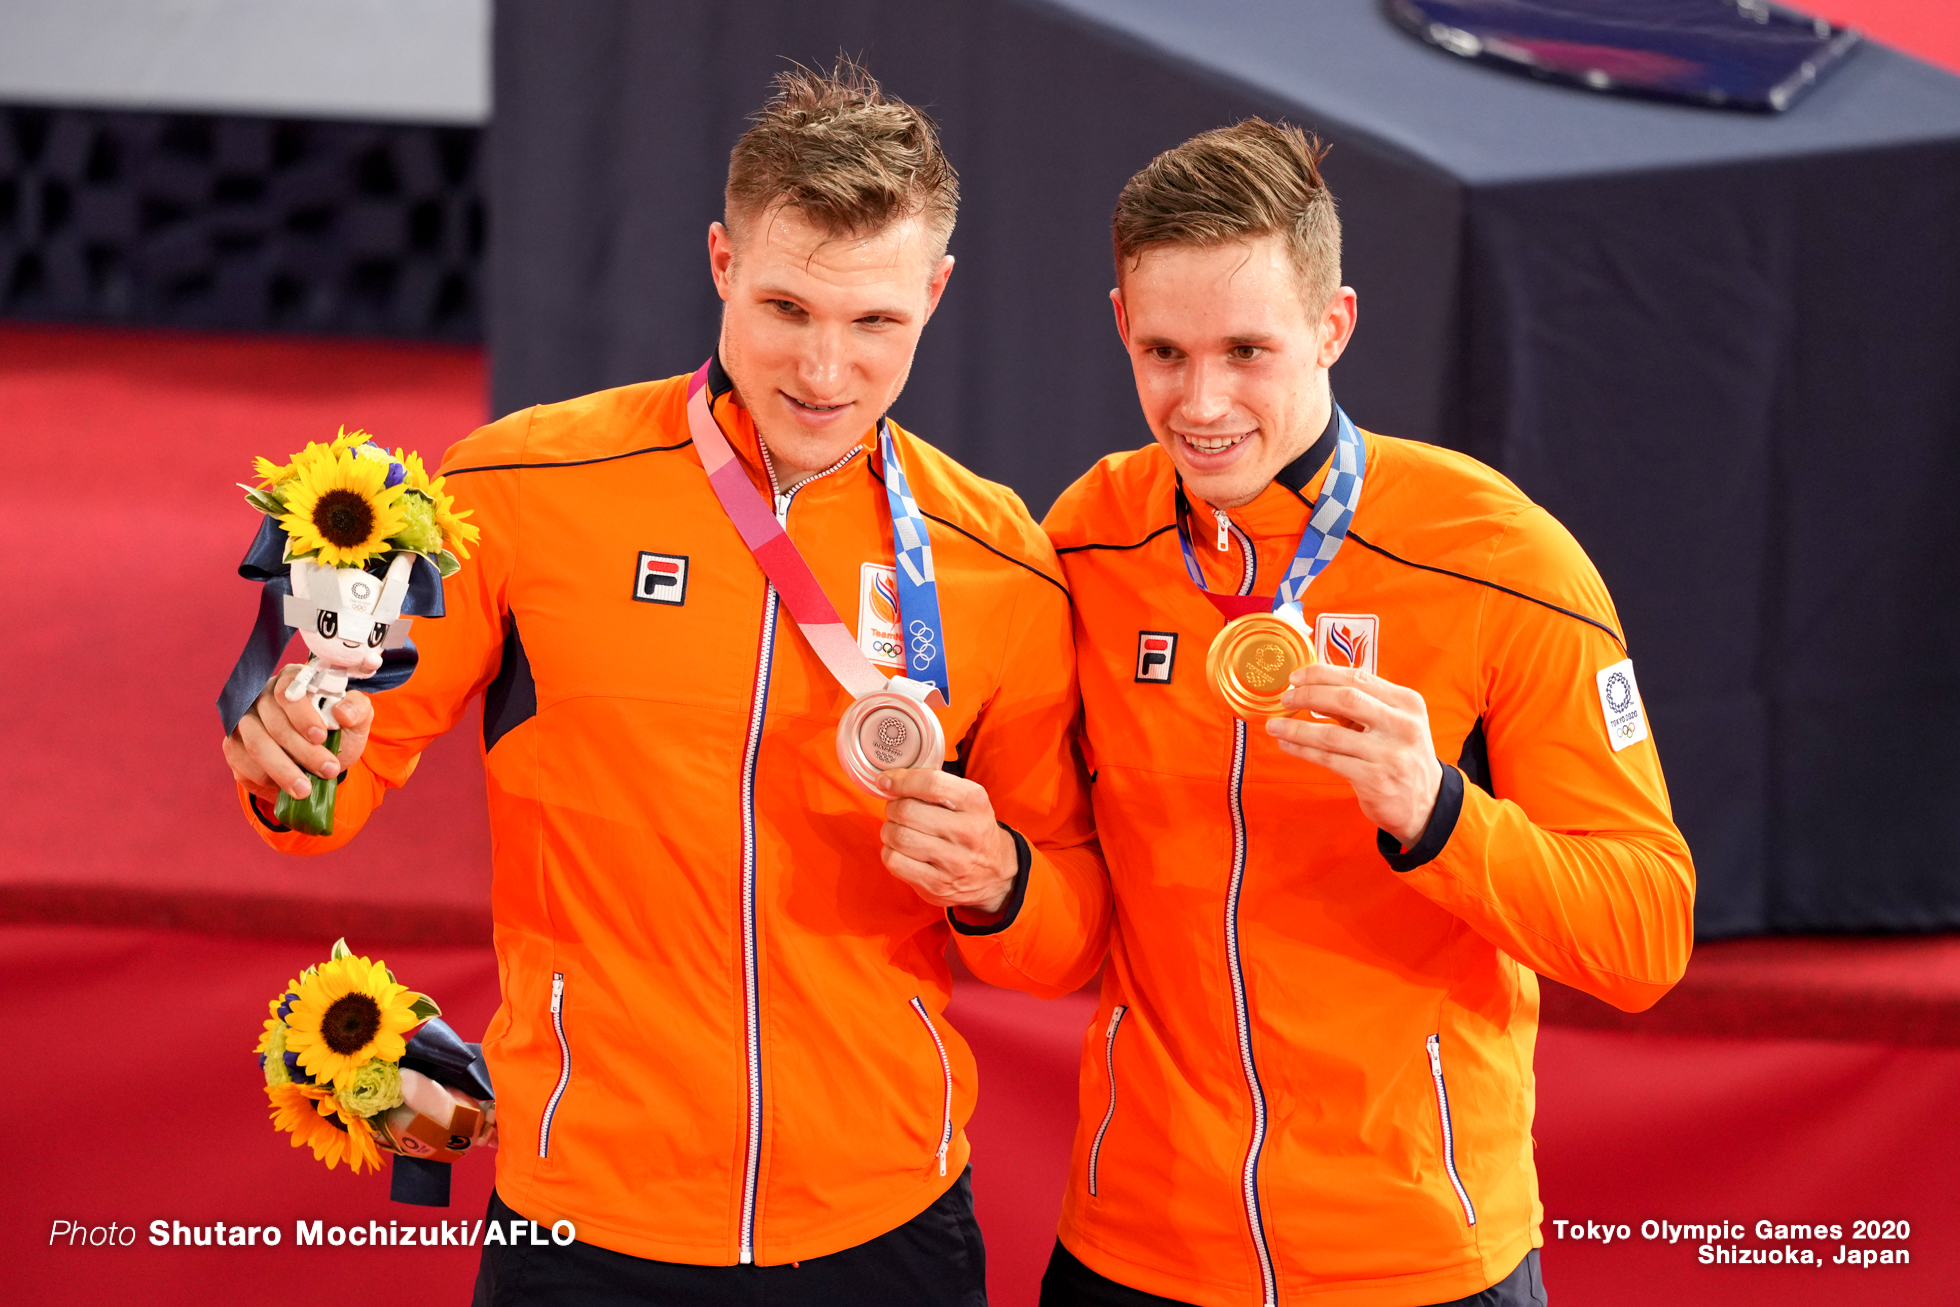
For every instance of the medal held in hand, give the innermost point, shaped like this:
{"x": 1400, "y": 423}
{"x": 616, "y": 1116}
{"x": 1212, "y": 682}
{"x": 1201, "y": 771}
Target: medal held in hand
{"x": 1253, "y": 657}
{"x": 885, "y": 730}
{"x": 891, "y": 722}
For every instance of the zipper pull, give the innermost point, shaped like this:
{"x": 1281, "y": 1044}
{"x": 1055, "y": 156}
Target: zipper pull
{"x": 942, "y": 1159}
{"x": 782, "y": 509}
{"x": 1435, "y": 1056}
{"x": 1114, "y": 1017}
{"x": 1224, "y": 531}
{"x": 557, "y": 993}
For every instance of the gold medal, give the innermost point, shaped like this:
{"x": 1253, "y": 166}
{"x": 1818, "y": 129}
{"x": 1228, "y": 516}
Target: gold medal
{"x": 1251, "y": 660}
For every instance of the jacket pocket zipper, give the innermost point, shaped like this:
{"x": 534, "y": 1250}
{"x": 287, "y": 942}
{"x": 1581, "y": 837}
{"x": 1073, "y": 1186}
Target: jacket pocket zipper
{"x": 946, "y": 1072}
{"x": 564, "y": 1062}
{"x": 1449, "y": 1128}
{"x": 1109, "y": 1064}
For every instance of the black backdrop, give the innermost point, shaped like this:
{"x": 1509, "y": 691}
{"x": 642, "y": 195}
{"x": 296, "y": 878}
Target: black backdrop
{"x": 1724, "y": 349}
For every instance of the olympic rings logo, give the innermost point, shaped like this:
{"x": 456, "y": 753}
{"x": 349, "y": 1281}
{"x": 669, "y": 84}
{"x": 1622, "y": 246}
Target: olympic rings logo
{"x": 924, "y": 645}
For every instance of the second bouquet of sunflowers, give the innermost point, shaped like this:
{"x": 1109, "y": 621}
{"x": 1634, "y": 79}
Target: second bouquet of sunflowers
{"x": 347, "y": 1078}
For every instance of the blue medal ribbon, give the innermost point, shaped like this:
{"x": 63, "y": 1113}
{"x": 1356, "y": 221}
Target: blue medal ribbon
{"x": 1327, "y": 525}
{"x": 918, "y": 590}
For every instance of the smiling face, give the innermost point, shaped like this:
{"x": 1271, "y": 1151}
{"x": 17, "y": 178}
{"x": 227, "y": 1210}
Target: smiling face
{"x": 1231, "y": 365}
{"x": 818, "y": 332}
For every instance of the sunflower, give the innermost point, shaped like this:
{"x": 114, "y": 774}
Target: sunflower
{"x": 418, "y": 476}
{"x": 351, "y": 1010}
{"x": 455, "y": 531}
{"x": 310, "y": 1116}
{"x": 340, "y": 509}
{"x": 276, "y": 1008}
{"x": 272, "y": 474}
{"x": 346, "y": 439}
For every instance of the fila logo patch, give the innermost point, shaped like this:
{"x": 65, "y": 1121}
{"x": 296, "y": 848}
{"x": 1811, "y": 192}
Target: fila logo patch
{"x": 661, "y": 579}
{"x": 1347, "y": 639}
{"x": 1619, "y": 699}
{"x": 1156, "y": 655}
{"x": 878, "y": 633}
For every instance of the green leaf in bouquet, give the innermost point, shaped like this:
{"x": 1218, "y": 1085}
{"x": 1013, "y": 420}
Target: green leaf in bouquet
{"x": 424, "y": 1007}
{"x": 340, "y": 949}
{"x": 263, "y": 500}
{"x": 447, "y": 564}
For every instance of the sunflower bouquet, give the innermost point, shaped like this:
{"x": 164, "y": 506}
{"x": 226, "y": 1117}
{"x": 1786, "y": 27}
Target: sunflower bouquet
{"x": 355, "y": 541}
{"x": 347, "y": 1079}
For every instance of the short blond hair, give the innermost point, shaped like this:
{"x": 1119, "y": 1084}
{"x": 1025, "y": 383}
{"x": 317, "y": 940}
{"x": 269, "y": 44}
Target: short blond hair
{"x": 1236, "y": 183}
{"x": 843, "y": 154}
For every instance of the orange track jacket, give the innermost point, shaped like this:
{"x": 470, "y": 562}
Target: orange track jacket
{"x": 722, "y": 1035}
{"x": 1309, "y": 1079}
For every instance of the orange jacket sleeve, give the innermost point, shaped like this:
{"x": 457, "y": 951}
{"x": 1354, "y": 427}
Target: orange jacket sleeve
{"x": 1575, "y": 867}
{"x": 459, "y": 655}
{"x": 1050, "y": 939}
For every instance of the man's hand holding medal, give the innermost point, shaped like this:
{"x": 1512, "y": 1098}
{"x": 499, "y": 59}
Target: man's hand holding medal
{"x": 940, "y": 837}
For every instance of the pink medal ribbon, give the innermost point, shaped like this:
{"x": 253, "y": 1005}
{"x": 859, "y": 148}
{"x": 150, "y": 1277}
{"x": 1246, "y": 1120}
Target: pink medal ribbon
{"x": 890, "y": 723}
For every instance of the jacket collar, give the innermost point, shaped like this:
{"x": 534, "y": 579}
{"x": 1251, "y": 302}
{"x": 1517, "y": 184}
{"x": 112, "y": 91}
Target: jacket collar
{"x": 1281, "y": 508}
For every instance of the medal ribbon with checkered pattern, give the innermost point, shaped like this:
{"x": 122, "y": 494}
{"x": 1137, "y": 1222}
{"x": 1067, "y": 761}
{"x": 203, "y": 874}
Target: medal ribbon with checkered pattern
{"x": 1327, "y": 525}
{"x": 918, "y": 592}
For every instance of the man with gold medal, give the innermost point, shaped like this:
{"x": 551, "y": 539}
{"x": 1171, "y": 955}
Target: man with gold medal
{"x": 1309, "y": 1079}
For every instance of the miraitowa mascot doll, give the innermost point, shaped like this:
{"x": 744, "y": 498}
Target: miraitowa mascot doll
{"x": 355, "y": 542}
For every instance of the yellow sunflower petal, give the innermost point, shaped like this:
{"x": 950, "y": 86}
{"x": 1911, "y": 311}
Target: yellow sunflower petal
{"x": 456, "y": 533}
{"x": 418, "y": 476}
{"x": 295, "y": 1109}
{"x": 357, "y": 1146}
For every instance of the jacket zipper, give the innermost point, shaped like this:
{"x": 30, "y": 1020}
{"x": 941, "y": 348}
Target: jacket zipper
{"x": 564, "y": 1062}
{"x": 1109, "y": 1064}
{"x": 751, "y": 1002}
{"x": 1249, "y": 1179}
{"x": 1224, "y": 530}
{"x": 945, "y": 1070}
{"x": 1449, "y": 1128}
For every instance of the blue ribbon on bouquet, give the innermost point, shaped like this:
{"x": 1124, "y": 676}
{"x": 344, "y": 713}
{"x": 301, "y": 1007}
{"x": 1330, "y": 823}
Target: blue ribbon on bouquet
{"x": 440, "y": 1054}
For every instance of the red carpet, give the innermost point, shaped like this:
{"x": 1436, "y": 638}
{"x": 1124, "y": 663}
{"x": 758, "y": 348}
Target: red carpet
{"x": 157, "y": 1115}
{"x": 1786, "y": 1080}
{"x": 123, "y": 529}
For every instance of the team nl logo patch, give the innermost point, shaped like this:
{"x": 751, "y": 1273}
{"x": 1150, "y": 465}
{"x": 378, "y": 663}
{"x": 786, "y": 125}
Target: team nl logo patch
{"x": 1619, "y": 699}
{"x": 878, "y": 633}
{"x": 661, "y": 579}
{"x": 1347, "y": 639}
{"x": 1156, "y": 655}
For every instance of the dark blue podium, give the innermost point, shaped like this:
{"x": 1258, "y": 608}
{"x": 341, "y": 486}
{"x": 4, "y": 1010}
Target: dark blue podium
{"x": 1723, "y": 348}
